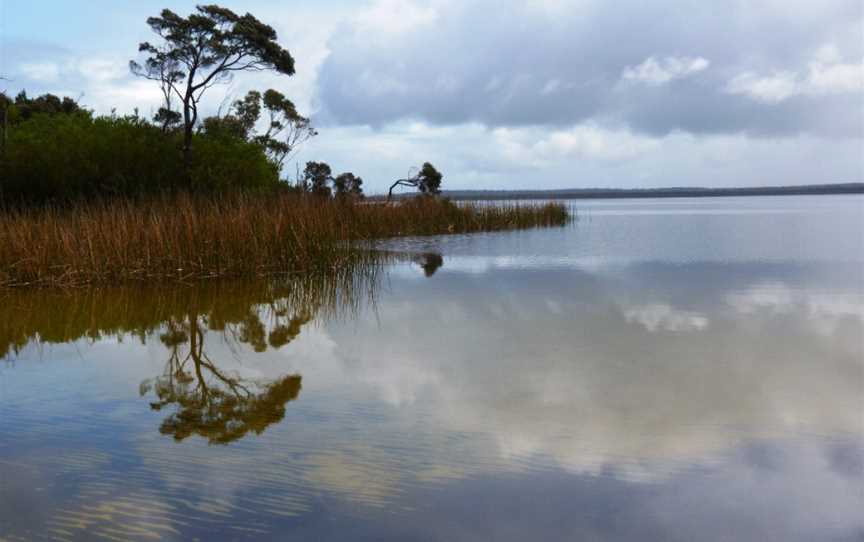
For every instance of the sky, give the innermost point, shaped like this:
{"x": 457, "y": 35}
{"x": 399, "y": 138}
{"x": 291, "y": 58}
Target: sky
{"x": 512, "y": 94}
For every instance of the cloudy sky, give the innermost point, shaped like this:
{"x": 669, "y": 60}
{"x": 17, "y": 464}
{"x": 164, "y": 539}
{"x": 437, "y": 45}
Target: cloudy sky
{"x": 515, "y": 93}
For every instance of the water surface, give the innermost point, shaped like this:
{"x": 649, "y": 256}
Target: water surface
{"x": 688, "y": 369}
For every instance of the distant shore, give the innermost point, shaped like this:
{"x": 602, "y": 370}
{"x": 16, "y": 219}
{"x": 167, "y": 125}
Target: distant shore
{"x": 678, "y": 192}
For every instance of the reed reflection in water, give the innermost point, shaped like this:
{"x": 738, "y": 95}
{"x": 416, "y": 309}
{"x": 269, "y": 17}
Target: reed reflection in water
{"x": 203, "y": 398}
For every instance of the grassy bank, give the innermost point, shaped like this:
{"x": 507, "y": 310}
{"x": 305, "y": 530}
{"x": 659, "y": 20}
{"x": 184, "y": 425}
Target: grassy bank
{"x": 183, "y": 238}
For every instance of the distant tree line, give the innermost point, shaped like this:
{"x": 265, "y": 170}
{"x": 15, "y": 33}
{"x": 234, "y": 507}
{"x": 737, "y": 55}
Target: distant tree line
{"x": 55, "y": 150}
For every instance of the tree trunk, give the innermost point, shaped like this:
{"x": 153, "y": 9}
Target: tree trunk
{"x": 403, "y": 182}
{"x": 390, "y": 193}
{"x": 188, "y": 125}
{"x": 187, "y": 146}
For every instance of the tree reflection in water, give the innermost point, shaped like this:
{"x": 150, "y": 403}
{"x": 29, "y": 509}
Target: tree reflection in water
{"x": 222, "y": 406}
{"x": 207, "y": 400}
{"x": 429, "y": 261}
{"x": 210, "y": 402}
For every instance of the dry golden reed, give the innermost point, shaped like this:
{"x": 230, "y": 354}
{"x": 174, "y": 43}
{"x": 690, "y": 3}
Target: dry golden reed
{"x": 181, "y": 238}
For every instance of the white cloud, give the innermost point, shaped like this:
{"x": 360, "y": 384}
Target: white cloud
{"x": 101, "y": 82}
{"x": 552, "y": 86}
{"x": 831, "y": 78}
{"x": 658, "y": 72}
{"x": 45, "y": 72}
{"x": 663, "y": 317}
{"x": 825, "y": 312}
{"x": 558, "y": 63}
{"x": 826, "y": 74}
{"x": 770, "y": 89}
{"x": 394, "y": 17}
{"x": 473, "y": 156}
{"x": 592, "y": 141}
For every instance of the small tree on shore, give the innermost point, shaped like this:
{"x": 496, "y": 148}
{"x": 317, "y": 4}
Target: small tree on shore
{"x": 427, "y": 181}
{"x": 315, "y": 179}
{"x": 202, "y": 50}
{"x": 348, "y": 185}
{"x": 286, "y": 129}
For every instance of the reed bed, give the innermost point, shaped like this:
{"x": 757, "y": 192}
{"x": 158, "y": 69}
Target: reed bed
{"x": 184, "y": 238}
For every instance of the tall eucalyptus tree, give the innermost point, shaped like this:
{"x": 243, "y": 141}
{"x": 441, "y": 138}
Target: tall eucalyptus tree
{"x": 202, "y": 50}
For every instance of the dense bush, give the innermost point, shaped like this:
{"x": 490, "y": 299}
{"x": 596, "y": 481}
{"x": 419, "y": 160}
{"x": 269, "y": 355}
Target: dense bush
{"x": 68, "y": 156}
{"x": 226, "y": 163}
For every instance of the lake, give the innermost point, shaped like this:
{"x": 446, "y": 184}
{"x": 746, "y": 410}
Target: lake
{"x": 669, "y": 369}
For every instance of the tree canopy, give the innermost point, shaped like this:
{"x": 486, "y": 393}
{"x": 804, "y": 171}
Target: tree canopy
{"x": 25, "y": 107}
{"x": 202, "y": 50}
{"x": 286, "y": 128}
{"x": 427, "y": 181}
{"x": 348, "y": 185}
{"x": 129, "y": 155}
{"x": 318, "y": 177}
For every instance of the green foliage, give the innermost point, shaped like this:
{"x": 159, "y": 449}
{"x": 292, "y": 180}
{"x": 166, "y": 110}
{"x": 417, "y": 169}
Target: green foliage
{"x": 222, "y": 163}
{"x": 286, "y": 129}
{"x": 317, "y": 175}
{"x": 25, "y": 108}
{"x": 167, "y": 119}
{"x": 216, "y": 38}
{"x": 204, "y": 49}
{"x": 55, "y": 155}
{"x": 315, "y": 179}
{"x": 348, "y": 185}
{"x": 54, "y": 150}
{"x": 429, "y": 180}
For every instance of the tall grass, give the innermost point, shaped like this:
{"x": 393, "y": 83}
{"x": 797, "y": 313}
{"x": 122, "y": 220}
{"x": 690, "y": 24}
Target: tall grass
{"x": 181, "y": 238}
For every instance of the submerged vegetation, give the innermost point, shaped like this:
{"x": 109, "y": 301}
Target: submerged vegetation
{"x": 183, "y": 237}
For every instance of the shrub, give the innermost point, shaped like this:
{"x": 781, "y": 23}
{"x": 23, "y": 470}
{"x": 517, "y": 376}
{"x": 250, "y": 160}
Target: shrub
{"x": 59, "y": 157}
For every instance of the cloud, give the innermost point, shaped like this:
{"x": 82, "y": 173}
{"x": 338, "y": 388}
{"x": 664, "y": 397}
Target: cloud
{"x": 101, "y": 82}
{"x": 591, "y": 141}
{"x": 474, "y": 156}
{"x": 774, "y": 88}
{"x": 99, "y": 73}
{"x": 41, "y": 71}
{"x": 394, "y": 17}
{"x": 620, "y": 390}
{"x": 542, "y": 94}
{"x": 826, "y": 312}
{"x": 560, "y": 64}
{"x": 658, "y": 72}
{"x": 826, "y": 75}
{"x": 663, "y": 317}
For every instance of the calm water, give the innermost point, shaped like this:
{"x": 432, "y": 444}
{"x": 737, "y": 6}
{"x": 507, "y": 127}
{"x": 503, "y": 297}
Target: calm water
{"x": 660, "y": 370}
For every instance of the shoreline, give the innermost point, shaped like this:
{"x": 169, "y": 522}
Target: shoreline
{"x": 646, "y": 193}
{"x": 186, "y": 238}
